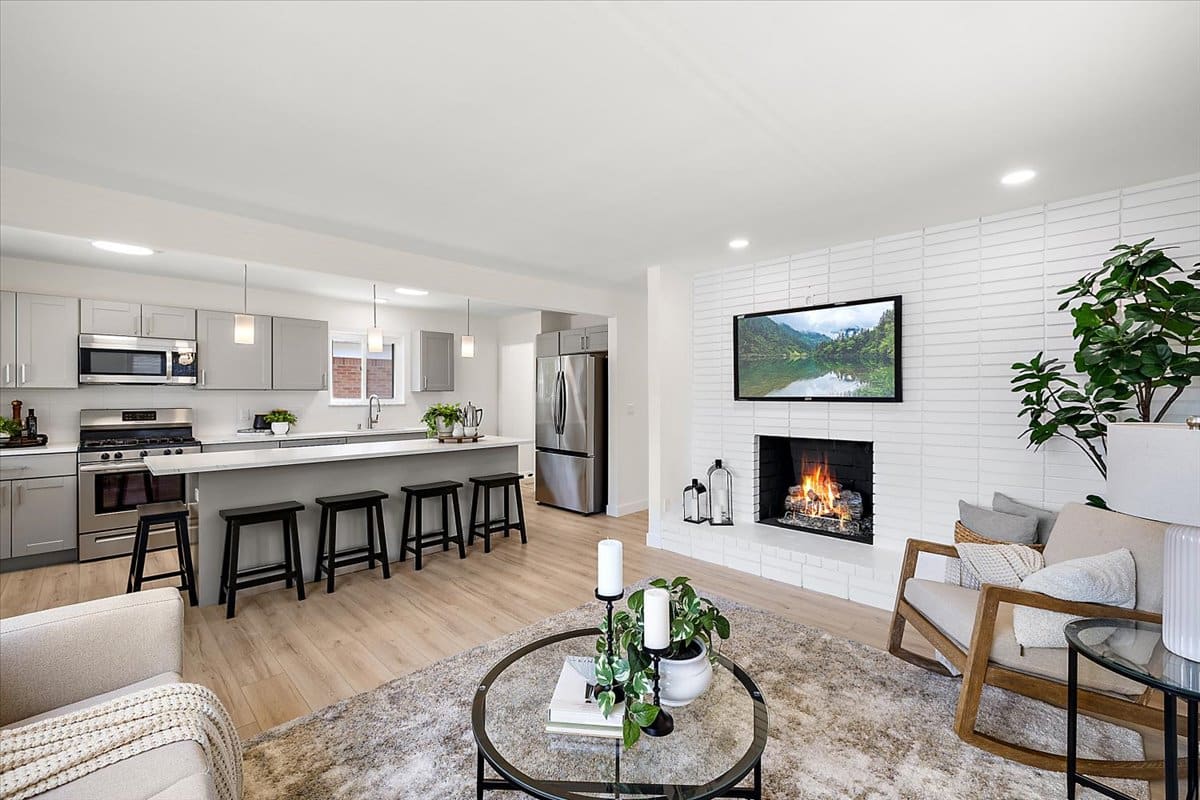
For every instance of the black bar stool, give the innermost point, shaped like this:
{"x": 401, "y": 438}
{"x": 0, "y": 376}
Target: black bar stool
{"x": 288, "y": 570}
{"x": 150, "y": 514}
{"x": 370, "y": 502}
{"x": 446, "y": 490}
{"x": 485, "y": 529}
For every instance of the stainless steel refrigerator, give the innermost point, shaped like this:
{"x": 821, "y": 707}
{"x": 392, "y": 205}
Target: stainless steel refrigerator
{"x": 572, "y": 432}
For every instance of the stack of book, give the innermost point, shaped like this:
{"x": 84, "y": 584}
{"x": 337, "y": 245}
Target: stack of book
{"x": 573, "y": 708}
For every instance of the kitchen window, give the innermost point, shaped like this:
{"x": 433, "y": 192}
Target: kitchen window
{"x": 358, "y": 374}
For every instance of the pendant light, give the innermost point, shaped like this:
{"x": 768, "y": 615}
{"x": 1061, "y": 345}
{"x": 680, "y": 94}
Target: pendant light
{"x": 468, "y": 341}
{"x": 243, "y": 324}
{"x": 374, "y": 333}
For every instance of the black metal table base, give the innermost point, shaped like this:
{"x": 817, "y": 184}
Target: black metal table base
{"x": 1170, "y": 743}
{"x": 592, "y": 788}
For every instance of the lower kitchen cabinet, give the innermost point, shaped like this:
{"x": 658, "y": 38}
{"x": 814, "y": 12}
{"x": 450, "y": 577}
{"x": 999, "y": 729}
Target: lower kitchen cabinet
{"x": 39, "y": 516}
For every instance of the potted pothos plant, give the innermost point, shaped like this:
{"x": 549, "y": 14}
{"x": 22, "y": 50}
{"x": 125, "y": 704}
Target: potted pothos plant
{"x": 281, "y": 420}
{"x": 685, "y": 671}
{"x": 439, "y": 418}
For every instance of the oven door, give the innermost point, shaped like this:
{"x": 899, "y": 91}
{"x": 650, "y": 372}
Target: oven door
{"x": 109, "y": 495}
{"x": 132, "y": 359}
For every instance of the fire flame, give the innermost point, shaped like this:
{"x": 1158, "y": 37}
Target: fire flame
{"x": 818, "y": 494}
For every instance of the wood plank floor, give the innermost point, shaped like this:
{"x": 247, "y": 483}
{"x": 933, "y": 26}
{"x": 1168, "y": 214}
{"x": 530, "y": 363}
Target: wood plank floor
{"x": 280, "y": 659}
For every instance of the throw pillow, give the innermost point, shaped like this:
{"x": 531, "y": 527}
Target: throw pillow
{"x": 997, "y": 524}
{"x": 1001, "y": 564}
{"x": 1109, "y": 579}
{"x": 1045, "y": 519}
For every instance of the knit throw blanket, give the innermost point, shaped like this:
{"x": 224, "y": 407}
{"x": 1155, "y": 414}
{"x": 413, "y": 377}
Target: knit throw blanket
{"x": 40, "y": 756}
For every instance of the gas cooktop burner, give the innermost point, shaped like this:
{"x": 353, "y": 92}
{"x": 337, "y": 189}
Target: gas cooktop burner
{"x": 114, "y": 444}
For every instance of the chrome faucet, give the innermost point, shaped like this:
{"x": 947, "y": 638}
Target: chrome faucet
{"x": 374, "y": 409}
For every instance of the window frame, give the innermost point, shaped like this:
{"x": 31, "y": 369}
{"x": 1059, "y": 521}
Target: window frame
{"x": 399, "y": 368}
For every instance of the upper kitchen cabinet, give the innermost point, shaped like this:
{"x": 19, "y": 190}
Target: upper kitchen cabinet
{"x": 46, "y": 344}
{"x": 547, "y": 344}
{"x": 168, "y": 322}
{"x": 583, "y": 340}
{"x": 433, "y": 361}
{"x": 110, "y": 317}
{"x": 224, "y": 364}
{"x": 300, "y": 353}
{"x": 8, "y": 339}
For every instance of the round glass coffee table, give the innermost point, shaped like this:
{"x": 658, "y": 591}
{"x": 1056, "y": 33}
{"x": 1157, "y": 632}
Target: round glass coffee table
{"x": 717, "y": 744}
{"x": 1135, "y": 650}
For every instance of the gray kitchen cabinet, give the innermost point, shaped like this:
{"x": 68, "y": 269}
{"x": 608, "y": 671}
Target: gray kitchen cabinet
{"x": 43, "y": 515}
{"x": 595, "y": 340}
{"x": 433, "y": 361}
{"x": 405, "y": 436}
{"x": 571, "y": 341}
{"x": 47, "y": 341}
{"x": 311, "y": 442}
{"x": 224, "y": 364}
{"x": 8, "y": 339}
{"x": 5, "y": 519}
{"x": 229, "y": 447}
{"x": 110, "y": 317}
{"x": 300, "y": 353}
{"x": 168, "y": 322}
{"x": 547, "y": 344}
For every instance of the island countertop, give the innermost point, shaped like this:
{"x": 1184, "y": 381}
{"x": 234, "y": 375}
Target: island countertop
{"x": 317, "y": 454}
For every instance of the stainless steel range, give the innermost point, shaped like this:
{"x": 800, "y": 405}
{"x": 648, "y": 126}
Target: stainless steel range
{"x": 113, "y": 481}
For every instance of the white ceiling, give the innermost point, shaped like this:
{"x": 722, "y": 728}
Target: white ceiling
{"x": 56, "y": 248}
{"x": 595, "y": 139}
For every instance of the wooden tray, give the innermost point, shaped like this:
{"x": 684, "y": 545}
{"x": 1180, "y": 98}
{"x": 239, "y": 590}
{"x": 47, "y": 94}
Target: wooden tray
{"x": 460, "y": 439}
{"x": 35, "y": 441}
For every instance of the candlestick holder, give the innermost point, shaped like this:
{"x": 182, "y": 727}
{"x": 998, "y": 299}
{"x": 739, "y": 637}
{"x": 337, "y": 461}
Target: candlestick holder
{"x": 616, "y": 688}
{"x": 663, "y": 723}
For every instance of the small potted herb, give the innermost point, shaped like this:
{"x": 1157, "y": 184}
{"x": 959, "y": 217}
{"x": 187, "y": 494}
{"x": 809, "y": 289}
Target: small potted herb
{"x": 281, "y": 420}
{"x": 439, "y": 418}
{"x": 9, "y": 428}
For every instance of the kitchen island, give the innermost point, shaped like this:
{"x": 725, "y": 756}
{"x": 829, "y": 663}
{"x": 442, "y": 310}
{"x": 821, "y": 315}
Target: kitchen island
{"x": 258, "y": 477}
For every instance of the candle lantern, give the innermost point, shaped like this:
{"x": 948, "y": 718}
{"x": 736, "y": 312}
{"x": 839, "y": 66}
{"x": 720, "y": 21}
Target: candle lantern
{"x": 720, "y": 490}
{"x": 695, "y": 502}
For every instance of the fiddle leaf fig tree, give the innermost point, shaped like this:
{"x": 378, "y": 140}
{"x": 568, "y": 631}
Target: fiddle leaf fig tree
{"x": 1137, "y": 323}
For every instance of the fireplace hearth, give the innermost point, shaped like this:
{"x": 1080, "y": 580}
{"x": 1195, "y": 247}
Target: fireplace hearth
{"x": 817, "y": 485}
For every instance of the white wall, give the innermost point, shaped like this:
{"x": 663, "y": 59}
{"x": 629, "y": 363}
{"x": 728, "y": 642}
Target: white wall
{"x": 628, "y": 486}
{"x": 221, "y": 412}
{"x": 669, "y": 398}
{"x": 515, "y": 339}
{"x": 977, "y": 296}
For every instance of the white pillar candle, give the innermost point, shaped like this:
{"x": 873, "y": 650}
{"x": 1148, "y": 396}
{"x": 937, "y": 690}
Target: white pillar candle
{"x": 657, "y": 610}
{"x": 610, "y": 579}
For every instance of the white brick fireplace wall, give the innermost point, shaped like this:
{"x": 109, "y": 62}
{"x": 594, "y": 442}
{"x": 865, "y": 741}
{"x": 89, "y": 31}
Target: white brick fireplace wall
{"x": 977, "y": 296}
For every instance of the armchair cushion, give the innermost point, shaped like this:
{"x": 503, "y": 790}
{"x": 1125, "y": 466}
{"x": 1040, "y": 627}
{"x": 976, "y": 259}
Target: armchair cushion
{"x": 951, "y": 609}
{"x": 1109, "y": 579}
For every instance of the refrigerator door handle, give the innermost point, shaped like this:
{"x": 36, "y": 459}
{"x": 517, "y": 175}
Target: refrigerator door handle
{"x": 562, "y": 416}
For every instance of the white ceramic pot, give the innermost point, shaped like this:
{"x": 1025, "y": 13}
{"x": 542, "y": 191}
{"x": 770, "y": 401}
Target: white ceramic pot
{"x": 444, "y": 428}
{"x": 682, "y": 681}
{"x": 280, "y": 428}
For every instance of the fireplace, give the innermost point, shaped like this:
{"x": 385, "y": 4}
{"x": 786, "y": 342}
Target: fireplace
{"x": 817, "y": 486}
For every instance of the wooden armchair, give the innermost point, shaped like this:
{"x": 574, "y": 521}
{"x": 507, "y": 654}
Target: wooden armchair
{"x": 973, "y": 631}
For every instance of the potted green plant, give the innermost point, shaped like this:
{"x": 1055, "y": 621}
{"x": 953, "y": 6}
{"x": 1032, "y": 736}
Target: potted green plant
{"x": 9, "y": 428}
{"x": 281, "y": 420}
{"x": 439, "y": 418}
{"x": 685, "y": 672}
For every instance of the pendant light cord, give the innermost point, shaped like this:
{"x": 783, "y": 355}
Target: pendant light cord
{"x": 468, "y": 316}
{"x": 374, "y": 308}
{"x": 245, "y": 289}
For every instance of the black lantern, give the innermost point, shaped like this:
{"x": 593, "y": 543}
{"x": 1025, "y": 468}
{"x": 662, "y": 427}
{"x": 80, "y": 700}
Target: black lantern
{"x": 720, "y": 484}
{"x": 695, "y": 503}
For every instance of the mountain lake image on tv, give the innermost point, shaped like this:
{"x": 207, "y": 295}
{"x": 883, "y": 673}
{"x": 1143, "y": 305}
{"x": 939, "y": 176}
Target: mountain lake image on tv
{"x": 841, "y": 351}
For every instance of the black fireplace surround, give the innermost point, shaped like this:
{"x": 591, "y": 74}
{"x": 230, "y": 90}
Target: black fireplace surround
{"x": 781, "y": 462}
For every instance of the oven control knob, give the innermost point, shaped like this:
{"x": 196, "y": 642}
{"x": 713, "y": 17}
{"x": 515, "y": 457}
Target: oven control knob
{"x": 178, "y": 451}
{"x": 104, "y": 456}
{"x": 166, "y": 452}
{"x": 118, "y": 455}
{"x": 143, "y": 454}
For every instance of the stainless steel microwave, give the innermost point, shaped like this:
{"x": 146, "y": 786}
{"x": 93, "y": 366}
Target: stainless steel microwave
{"x": 133, "y": 359}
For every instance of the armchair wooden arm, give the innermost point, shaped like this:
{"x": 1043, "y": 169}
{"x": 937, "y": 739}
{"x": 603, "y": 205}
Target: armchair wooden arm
{"x": 903, "y": 612}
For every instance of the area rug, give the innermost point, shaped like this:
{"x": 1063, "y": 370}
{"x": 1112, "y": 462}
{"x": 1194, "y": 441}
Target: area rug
{"x": 846, "y": 721}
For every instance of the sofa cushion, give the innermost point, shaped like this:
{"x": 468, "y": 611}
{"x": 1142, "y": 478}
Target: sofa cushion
{"x": 952, "y": 608}
{"x": 177, "y": 771}
{"x": 1086, "y": 531}
{"x": 1045, "y": 519}
{"x": 1109, "y": 579}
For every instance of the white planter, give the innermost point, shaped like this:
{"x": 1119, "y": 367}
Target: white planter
{"x": 1181, "y": 612}
{"x": 280, "y": 428}
{"x": 681, "y": 682}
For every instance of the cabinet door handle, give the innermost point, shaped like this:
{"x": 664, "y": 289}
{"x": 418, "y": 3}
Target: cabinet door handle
{"x": 149, "y": 326}
{"x": 23, "y": 375}
{"x": 7, "y": 373}
{"x": 4, "y": 490}
{"x": 203, "y": 377}
{"x": 424, "y": 381}
{"x": 19, "y": 494}
{"x": 322, "y": 380}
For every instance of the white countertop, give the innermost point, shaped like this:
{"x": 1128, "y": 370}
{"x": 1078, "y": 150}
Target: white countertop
{"x": 50, "y": 448}
{"x": 317, "y": 454}
{"x": 266, "y": 436}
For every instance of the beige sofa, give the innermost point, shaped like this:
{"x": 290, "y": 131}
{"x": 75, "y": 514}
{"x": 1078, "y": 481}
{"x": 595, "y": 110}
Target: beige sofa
{"x": 56, "y": 661}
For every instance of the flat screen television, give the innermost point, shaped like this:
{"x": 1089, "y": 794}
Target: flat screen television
{"x": 834, "y": 352}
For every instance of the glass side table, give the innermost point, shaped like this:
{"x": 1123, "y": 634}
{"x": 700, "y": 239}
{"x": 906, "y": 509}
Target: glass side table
{"x": 715, "y": 751}
{"x": 1134, "y": 650}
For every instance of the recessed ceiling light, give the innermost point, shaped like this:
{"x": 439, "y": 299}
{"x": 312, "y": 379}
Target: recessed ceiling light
{"x": 413, "y": 292}
{"x": 738, "y": 244}
{"x": 124, "y": 249}
{"x": 1018, "y": 176}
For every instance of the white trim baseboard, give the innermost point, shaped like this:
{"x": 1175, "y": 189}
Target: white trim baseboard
{"x": 622, "y": 509}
